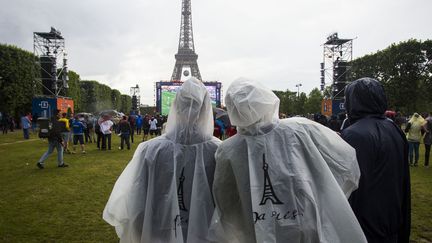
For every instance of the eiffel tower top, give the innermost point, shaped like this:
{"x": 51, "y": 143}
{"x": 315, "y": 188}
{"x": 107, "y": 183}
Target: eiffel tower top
{"x": 186, "y": 42}
{"x": 186, "y": 58}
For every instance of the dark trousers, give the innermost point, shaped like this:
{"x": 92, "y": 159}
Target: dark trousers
{"x": 132, "y": 134}
{"x": 124, "y": 138}
{"x": 138, "y": 130}
{"x": 5, "y": 129}
{"x": 427, "y": 153}
{"x": 26, "y": 133}
{"x": 106, "y": 139}
{"x": 87, "y": 136}
{"x": 99, "y": 139}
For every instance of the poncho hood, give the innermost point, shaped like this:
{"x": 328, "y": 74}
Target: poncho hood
{"x": 417, "y": 119}
{"x": 251, "y": 107}
{"x": 190, "y": 119}
{"x": 365, "y": 97}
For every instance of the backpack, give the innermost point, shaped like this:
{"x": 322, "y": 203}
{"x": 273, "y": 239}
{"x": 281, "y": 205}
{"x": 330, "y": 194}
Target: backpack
{"x": 45, "y": 127}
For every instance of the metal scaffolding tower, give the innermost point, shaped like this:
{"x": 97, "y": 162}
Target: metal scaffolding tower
{"x": 337, "y": 56}
{"x": 48, "y": 47}
{"x": 135, "y": 93}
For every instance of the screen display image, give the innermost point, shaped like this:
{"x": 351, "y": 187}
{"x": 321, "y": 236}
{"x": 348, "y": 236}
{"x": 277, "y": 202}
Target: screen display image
{"x": 168, "y": 92}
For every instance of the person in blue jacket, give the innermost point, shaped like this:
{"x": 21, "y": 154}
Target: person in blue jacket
{"x": 78, "y": 134}
{"x": 139, "y": 124}
{"x": 382, "y": 202}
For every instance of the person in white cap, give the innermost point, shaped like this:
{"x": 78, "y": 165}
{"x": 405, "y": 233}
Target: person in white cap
{"x": 281, "y": 180}
{"x": 164, "y": 194}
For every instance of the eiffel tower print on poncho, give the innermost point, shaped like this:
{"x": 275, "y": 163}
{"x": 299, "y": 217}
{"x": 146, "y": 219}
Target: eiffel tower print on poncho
{"x": 268, "y": 193}
{"x": 180, "y": 192}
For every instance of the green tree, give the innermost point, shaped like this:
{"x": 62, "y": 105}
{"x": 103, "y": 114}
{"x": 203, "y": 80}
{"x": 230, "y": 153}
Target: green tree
{"x": 300, "y": 104}
{"x": 74, "y": 90}
{"x": 287, "y": 101}
{"x": 89, "y": 98}
{"x": 405, "y": 70}
{"x": 20, "y": 82}
{"x": 126, "y": 104}
{"x": 116, "y": 99}
{"x": 313, "y": 104}
{"x": 18, "y": 75}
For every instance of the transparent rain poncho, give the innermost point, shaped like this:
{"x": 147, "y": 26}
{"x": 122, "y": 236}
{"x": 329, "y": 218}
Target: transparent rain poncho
{"x": 164, "y": 193}
{"x": 281, "y": 180}
{"x": 416, "y": 123}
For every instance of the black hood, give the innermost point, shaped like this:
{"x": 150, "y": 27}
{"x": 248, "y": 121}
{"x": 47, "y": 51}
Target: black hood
{"x": 365, "y": 97}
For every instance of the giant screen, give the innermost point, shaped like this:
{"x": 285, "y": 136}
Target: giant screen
{"x": 166, "y": 91}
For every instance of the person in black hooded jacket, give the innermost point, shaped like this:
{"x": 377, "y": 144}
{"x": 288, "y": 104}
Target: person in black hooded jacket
{"x": 382, "y": 202}
{"x": 55, "y": 141}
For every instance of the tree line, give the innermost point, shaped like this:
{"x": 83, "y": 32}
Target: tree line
{"x": 292, "y": 103}
{"x": 19, "y": 73}
{"x": 405, "y": 70}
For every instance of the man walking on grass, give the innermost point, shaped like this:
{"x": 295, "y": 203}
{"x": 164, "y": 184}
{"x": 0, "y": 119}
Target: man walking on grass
{"x": 54, "y": 141}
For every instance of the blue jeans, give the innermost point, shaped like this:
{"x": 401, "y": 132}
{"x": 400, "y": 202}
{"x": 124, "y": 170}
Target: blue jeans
{"x": 51, "y": 145}
{"x": 413, "y": 148}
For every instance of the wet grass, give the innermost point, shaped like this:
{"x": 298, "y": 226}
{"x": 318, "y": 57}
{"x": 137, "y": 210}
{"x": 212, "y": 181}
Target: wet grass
{"x": 66, "y": 204}
{"x": 56, "y": 204}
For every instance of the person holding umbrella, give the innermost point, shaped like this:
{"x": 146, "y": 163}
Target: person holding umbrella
{"x": 106, "y": 125}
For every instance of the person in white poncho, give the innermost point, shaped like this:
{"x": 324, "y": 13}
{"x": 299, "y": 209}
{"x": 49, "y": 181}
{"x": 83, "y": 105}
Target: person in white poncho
{"x": 164, "y": 194}
{"x": 281, "y": 180}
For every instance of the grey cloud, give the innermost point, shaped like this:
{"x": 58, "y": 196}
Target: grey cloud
{"x": 277, "y": 42}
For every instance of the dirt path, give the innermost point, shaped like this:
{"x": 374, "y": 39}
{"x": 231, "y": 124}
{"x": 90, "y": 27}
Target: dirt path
{"x": 23, "y": 141}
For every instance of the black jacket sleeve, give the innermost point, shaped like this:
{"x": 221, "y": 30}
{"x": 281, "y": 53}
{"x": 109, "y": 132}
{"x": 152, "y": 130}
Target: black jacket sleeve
{"x": 56, "y": 130}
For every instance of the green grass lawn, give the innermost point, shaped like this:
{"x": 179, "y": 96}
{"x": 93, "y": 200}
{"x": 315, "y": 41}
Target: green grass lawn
{"x": 56, "y": 204}
{"x": 66, "y": 204}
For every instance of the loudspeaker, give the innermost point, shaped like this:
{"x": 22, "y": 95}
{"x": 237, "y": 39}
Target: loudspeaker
{"x": 48, "y": 74}
{"x": 134, "y": 103}
{"x": 340, "y": 71}
{"x": 339, "y": 78}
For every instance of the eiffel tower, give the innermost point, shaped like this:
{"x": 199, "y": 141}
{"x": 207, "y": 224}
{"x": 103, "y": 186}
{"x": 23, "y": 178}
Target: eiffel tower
{"x": 268, "y": 193}
{"x": 186, "y": 56}
{"x": 180, "y": 192}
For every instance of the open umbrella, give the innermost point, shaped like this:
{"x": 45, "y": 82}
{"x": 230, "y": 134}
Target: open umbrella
{"x": 85, "y": 114}
{"x": 109, "y": 113}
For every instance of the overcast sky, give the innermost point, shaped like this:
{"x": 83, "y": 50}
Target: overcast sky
{"x": 276, "y": 42}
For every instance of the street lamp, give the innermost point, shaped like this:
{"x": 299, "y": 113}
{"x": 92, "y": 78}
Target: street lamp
{"x": 298, "y": 89}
